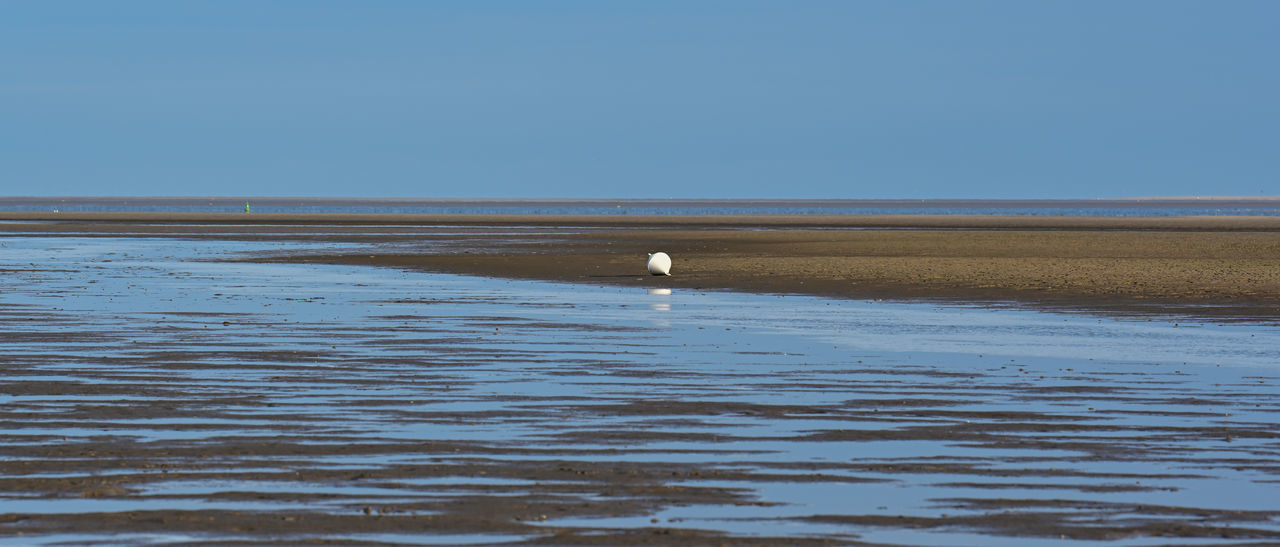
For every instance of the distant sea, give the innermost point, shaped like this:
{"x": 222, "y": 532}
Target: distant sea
{"x": 1088, "y": 208}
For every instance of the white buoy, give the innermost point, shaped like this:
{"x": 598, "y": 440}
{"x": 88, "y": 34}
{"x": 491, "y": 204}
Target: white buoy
{"x": 659, "y": 264}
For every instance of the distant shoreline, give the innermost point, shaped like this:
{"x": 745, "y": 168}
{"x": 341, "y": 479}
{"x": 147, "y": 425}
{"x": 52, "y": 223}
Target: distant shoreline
{"x": 1198, "y": 198}
{"x": 1144, "y": 207}
{"x": 868, "y": 202}
{"x": 974, "y": 222}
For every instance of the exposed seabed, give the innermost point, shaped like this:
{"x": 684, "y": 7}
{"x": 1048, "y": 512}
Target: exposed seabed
{"x": 153, "y": 392}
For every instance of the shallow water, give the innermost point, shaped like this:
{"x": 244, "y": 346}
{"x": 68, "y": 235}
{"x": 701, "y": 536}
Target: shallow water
{"x": 142, "y": 375}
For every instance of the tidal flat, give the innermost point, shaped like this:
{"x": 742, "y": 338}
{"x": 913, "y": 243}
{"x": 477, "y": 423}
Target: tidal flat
{"x": 184, "y": 389}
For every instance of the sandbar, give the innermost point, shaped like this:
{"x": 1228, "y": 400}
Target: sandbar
{"x": 1225, "y": 265}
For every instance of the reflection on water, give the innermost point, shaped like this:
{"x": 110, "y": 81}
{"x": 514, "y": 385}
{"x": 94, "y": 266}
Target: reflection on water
{"x": 661, "y": 302}
{"x": 278, "y": 388}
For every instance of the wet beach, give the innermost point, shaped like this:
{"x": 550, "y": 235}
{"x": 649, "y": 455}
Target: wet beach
{"x": 1223, "y": 266}
{"x": 225, "y": 379}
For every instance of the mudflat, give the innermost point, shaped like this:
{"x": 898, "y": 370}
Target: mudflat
{"x": 1226, "y": 265}
{"x": 167, "y": 380}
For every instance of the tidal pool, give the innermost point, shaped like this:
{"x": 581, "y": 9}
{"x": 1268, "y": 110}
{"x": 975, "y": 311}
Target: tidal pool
{"x": 156, "y": 389}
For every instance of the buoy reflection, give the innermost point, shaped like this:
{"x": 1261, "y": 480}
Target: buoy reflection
{"x": 660, "y": 304}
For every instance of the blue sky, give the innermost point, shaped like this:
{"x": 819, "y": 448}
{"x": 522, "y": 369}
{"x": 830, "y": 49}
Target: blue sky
{"x": 734, "y": 99}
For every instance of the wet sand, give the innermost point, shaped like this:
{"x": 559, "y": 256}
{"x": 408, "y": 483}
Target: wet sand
{"x": 159, "y": 388}
{"x": 1224, "y": 266}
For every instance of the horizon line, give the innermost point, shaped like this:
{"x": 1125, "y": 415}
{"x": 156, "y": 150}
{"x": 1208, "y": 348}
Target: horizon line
{"x": 631, "y": 199}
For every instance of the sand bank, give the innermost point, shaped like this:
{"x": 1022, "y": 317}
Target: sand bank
{"x": 1090, "y": 262}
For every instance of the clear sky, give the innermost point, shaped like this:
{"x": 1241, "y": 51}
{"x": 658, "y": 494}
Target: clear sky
{"x": 732, "y": 99}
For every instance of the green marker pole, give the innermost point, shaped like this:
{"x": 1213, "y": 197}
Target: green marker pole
{"x": 246, "y": 207}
